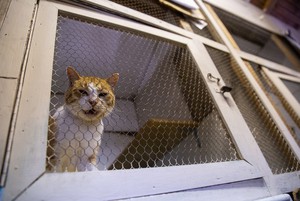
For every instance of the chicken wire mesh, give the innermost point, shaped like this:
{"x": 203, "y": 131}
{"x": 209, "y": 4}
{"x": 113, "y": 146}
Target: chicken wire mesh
{"x": 280, "y": 103}
{"x": 164, "y": 115}
{"x": 156, "y": 9}
{"x": 253, "y": 39}
{"x": 274, "y": 147}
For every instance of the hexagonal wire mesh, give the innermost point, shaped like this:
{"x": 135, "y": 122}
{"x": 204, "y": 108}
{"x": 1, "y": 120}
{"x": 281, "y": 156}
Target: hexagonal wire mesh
{"x": 274, "y": 147}
{"x": 253, "y": 39}
{"x": 164, "y": 115}
{"x": 156, "y": 9}
{"x": 287, "y": 113}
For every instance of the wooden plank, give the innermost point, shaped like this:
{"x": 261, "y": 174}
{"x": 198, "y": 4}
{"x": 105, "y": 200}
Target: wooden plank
{"x": 4, "y": 4}
{"x": 141, "y": 17}
{"x": 287, "y": 182}
{"x": 155, "y": 139}
{"x": 120, "y": 184}
{"x": 28, "y": 153}
{"x": 123, "y": 23}
{"x": 266, "y": 63}
{"x": 8, "y": 89}
{"x": 275, "y": 78}
{"x": 242, "y": 191}
{"x": 291, "y": 55}
{"x": 224, "y": 29}
{"x": 13, "y": 37}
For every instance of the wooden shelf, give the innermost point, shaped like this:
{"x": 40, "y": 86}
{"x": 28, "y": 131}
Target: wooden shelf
{"x": 155, "y": 139}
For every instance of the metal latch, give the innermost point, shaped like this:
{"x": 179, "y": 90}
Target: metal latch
{"x": 223, "y": 89}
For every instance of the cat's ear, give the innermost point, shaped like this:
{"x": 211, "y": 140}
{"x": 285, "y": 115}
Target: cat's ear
{"x": 112, "y": 80}
{"x": 72, "y": 75}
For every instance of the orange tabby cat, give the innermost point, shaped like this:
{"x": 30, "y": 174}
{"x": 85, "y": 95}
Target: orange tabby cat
{"x": 78, "y": 122}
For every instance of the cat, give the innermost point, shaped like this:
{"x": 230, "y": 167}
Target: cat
{"x": 77, "y": 125}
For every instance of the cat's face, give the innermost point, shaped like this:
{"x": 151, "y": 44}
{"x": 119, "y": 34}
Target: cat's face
{"x": 90, "y": 98}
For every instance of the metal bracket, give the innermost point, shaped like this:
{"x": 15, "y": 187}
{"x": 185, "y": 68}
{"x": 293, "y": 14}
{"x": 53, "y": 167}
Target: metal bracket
{"x": 223, "y": 89}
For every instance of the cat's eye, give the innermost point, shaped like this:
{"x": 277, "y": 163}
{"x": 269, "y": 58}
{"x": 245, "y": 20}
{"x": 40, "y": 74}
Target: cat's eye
{"x": 102, "y": 94}
{"x": 83, "y": 92}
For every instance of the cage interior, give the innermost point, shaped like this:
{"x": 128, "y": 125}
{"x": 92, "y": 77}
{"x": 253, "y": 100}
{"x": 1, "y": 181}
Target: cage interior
{"x": 164, "y": 114}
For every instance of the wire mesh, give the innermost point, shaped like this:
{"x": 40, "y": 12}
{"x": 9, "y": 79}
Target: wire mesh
{"x": 280, "y": 103}
{"x": 274, "y": 147}
{"x": 163, "y": 116}
{"x": 156, "y": 9}
{"x": 253, "y": 39}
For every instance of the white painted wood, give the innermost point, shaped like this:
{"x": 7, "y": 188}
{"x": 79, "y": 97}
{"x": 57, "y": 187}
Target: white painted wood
{"x": 122, "y": 23}
{"x": 7, "y": 93}
{"x": 263, "y": 97}
{"x": 13, "y": 37}
{"x": 267, "y": 63}
{"x": 281, "y": 197}
{"x": 277, "y": 78}
{"x": 112, "y": 185}
{"x": 26, "y": 171}
{"x": 237, "y": 126}
{"x": 287, "y": 182}
{"x": 4, "y": 4}
{"x": 140, "y": 16}
{"x": 241, "y": 191}
{"x": 28, "y": 153}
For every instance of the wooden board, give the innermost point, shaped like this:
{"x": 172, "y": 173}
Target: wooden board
{"x": 14, "y": 37}
{"x": 7, "y": 92}
{"x": 155, "y": 139}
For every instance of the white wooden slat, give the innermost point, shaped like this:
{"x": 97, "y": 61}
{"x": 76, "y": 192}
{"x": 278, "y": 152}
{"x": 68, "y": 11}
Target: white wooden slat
{"x": 7, "y": 93}
{"x": 28, "y": 153}
{"x": 237, "y": 126}
{"x": 241, "y": 191}
{"x": 140, "y": 16}
{"x": 287, "y": 182}
{"x": 267, "y": 63}
{"x": 276, "y": 78}
{"x": 121, "y": 23}
{"x": 13, "y": 37}
{"x": 3, "y": 9}
{"x": 112, "y": 185}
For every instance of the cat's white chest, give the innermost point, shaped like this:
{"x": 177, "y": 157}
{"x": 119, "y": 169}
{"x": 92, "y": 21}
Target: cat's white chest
{"x": 76, "y": 140}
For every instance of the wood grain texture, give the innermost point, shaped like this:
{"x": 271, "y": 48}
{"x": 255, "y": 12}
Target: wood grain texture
{"x": 7, "y": 93}
{"x": 13, "y": 37}
{"x": 119, "y": 184}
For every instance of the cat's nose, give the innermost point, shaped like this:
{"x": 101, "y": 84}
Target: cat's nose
{"x": 92, "y": 102}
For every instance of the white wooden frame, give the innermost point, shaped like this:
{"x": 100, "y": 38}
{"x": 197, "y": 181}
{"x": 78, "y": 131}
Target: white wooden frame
{"x": 172, "y": 28}
{"x": 27, "y": 179}
{"x": 276, "y": 183}
{"x": 277, "y": 78}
